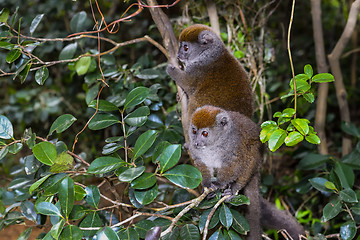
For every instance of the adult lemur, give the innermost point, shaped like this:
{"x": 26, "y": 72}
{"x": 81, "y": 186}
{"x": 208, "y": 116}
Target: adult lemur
{"x": 210, "y": 75}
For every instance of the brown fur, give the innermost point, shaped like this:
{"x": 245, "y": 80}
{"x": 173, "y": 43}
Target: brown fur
{"x": 191, "y": 33}
{"x": 205, "y": 118}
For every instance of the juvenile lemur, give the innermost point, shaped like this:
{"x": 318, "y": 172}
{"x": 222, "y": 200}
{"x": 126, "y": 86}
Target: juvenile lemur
{"x": 211, "y": 75}
{"x": 225, "y": 147}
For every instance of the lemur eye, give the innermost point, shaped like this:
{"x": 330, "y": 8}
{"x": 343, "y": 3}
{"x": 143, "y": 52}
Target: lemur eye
{"x": 186, "y": 48}
{"x": 205, "y": 133}
{"x": 194, "y": 131}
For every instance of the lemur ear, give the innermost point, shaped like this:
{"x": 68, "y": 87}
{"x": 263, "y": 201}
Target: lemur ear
{"x": 206, "y": 38}
{"x": 224, "y": 121}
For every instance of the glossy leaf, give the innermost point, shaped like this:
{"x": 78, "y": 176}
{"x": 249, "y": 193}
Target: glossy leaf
{"x": 4, "y": 15}
{"x": 35, "y": 23}
{"x": 62, "y": 123}
{"x": 331, "y": 210}
{"x": 103, "y": 120}
{"x": 323, "y": 77}
{"x": 231, "y": 235}
{"x": 92, "y": 220}
{"x": 136, "y": 96}
{"x": 143, "y": 226}
{"x": 4, "y": 151}
{"x": 217, "y": 235}
{"x": 356, "y": 209}
{"x": 313, "y": 161}
{"x": 350, "y": 128}
{"x": 348, "y": 230}
{"x": 312, "y": 138}
{"x": 293, "y": 138}
{"x": 104, "y": 105}
{"x": 41, "y": 75}
{"x": 80, "y": 193}
{"x": 56, "y": 229}
{"x": 330, "y": 185}
{"x": 105, "y": 164}
{"x": 82, "y": 65}
{"x": 213, "y": 221}
{"x": 138, "y": 117}
{"x": 239, "y": 200}
{"x": 184, "y": 175}
{"x": 309, "y": 97}
{"x": 131, "y": 173}
{"x": 345, "y": 175}
{"x": 144, "y": 142}
{"x": 68, "y": 51}
{"x": 108, "y": 234}
{"x": 25, "y": 234}
{"x": 6, "y": 128}
{"x": 145, "y": 197}
{"x": 128, "y": 234}
{"x": 240, "y": 224}
{"x": 170, "y": 157}
{"x": 154, "y": 233}
{"x": 146, "y": 180}
{"x": 226, "y": 218}
{"x": 71, "y": 232}
{"x": 301, "y": 125}
{"x": 45, "y": 152}
{"x": 92, "y": 196}
{"x": 38, "y": 183}
{"x": 189, "y": 232}
{"x": 23, "y": 74}
{"x": 348, "y": 195}
{"x": 47, "y": 208}
{"x": 308, "y": 70}
{"x": 13, "y": 55}
{"x": 319, "y": 184}
{"x": 276, "y": 139}
{"x": 67, "y": 196}
{"x": 52, "y": 185}
{"x": 27, "y": 209}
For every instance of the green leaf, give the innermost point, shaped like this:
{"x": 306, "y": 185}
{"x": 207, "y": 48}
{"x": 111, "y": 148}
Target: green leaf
{"x": 28, "y": 210}
{"x": 312, "y": 138}
{"x": 239, "y": 200}
{"x": 226, "y": 218}
{"x": 144, "y": 142}
{"x": 331, "y": 210}
{"x": 13, "y": 55}
{"x": 102, "y": 120}
{"x": 213, "y": 222}
{"x": 348, "y": 195}
{"x": 67, "y": 196}
{"x": 38, "y": 183}
{"x": 231, "y": 235}
{"x": 348, "y": 230}
{"x": 240, "y": 224}
{"x": 41, "y": 75}
{"x": 71, "y": 232}
{"x": 6, "y": 128}
{"x": 268, "y": 128}
{"x": 92, "y": 220}
{"x": 136, "y": 96}
{"x": 323, "y": 77}
{"x": 63, "y": 162}
{"x": 313, "y": 161}
{"x": 45, "y": 152}
{"x": 308, "y": 70}
{"x": 350, "y": 128}
{"x": 138, "y": 117}
{"x": 105, "y": 164}
{"x": 108, "y": 234}
{"x": 217, "y": 235}
{"x": 146, "y": 180}
{"x": 92, "y": 196}
{"x": 301, "y": 85}
{"x": 23, "y": 74}
{"x": 143, "y": 226}
{"x": 78, "y": 212}
{"x": 131, "y": 173}
{"x": 62, "y": 123}
{"x": 79, "y": 22}
{"x": 6, "y": 45}
{"x": 15, "y": 148}
{"x": 189, "y": 232}
{"x": 35, "y": 23}
{"x": 52, "y": 185}
{"x": 356, "y": 209}
{"x": 47, "y": 208}
{"x": 276, "y": 139}
{"x": 319, "y": 184}
{"x": 57, "y": 228}
{"x": 302, "y": 125}
{"x": 145, "y": 197}
{"x": 293, "y": 138}
{"x": 3, "y": 152}
{"x": 128, "y": 234}
{"x": 68, "y": 52}
{"x": 80, "y": 193}
{"x": 345, "y": 175}
{"x": 25, "y": 234}
{"x": 309, "y": 97}
{"x": 184, "y": 175}
{"x": 4, "y": 15}
{"x": 330, "y": 185}
{"x": 170, "y": 157}
{"x": 104, "y": 106}
{"x": 82, "y": 65}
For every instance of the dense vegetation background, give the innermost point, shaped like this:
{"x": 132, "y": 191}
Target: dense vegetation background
{"x": 67, "y": 172}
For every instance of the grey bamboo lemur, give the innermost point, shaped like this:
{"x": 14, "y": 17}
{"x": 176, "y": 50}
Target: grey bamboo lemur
{"x": 210, "y": 75}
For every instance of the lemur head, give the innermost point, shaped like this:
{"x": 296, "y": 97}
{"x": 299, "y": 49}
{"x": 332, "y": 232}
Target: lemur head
{"x": 198, "y": 43}
{"x": 209, "y": 126}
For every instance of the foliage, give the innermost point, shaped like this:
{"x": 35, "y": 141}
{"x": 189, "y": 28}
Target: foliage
{"x": 91, "y": 145}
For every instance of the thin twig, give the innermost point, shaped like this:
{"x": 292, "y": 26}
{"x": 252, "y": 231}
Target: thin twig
{"x": 289, "y": 52}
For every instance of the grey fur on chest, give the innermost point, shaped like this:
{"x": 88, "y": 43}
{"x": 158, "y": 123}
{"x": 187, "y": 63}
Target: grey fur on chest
{"x": 211, "y": 158}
